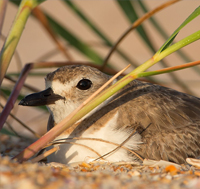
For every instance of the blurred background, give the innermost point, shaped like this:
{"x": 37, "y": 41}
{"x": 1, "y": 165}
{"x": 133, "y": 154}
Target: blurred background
{"x": 86, "y": 22}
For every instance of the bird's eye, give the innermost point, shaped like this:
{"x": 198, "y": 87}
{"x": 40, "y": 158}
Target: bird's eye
{"x": 84, "y": 84}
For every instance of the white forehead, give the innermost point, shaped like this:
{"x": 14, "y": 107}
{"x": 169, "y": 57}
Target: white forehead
{"x": 59, "y": 87}
{"x": 66, "y": 83}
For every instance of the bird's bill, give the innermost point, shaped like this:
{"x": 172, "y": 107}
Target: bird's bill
{"x": 42, "y": 98}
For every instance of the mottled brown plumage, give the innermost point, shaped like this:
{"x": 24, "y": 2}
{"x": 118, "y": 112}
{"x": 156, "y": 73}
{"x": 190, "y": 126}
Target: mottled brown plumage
{"x": 167, "y": 121}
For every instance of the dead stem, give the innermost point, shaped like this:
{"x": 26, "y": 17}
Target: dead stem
{"x": 33, "y": 89}
{"x": 44, "y": 22}
{"x": 73, "y": 143}
{"x": 11, "y": 128}
{"x": 23, "y": 124}
{"x": 10, "y": 103}
{"x": 45, "y": 154}
{"x": 101, "y": 140}
{"x": 3, "y": 5}
{"x": 135, "y": 25}
{"x": 119, "y": 146}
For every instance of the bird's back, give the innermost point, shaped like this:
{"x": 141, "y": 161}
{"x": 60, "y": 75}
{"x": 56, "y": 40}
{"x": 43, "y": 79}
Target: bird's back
{"x": 167, "y": 120}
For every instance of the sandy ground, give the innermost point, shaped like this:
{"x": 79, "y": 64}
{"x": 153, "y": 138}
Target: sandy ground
{"x": 91, "y": 175}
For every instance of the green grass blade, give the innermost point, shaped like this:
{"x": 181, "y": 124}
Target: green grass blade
{"x": 8, "y": 92}
{"x": 158, "y": 56}
{"x": 172, "y": 37}
{"x": 6, "y": 132}
{"x": 131, "y": 14}
{"x": 152, "y": 19}
{"x": 96, "y": 30}
{"x": 12, "y": 40}
{"x": 3, "y": 5}
{"x": 87, "y": 20}
{"x": 158, "y": 27}
{"x": 180, "y": 44}
{"x": 74, "y": 40}
{"x": 167, "y": 70}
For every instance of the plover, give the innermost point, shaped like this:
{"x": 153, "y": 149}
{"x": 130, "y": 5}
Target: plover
{"x": 166, "y": 122}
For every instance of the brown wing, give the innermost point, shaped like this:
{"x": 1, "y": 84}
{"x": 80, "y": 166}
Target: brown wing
{"x": 169, "y": 121}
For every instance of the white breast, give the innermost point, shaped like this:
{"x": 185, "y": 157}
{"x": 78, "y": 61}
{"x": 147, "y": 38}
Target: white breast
{"x": 70, "y": 153}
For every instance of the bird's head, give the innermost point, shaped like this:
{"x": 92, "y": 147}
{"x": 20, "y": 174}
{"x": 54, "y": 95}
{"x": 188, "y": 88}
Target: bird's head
{"x": 66, "y": 89}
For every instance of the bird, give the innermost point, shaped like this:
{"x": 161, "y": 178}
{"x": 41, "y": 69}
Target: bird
{"x": 153, "y": 121}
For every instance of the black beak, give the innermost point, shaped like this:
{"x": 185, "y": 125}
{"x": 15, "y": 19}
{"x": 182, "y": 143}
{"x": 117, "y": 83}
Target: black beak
{"x": 42, "y": 98}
